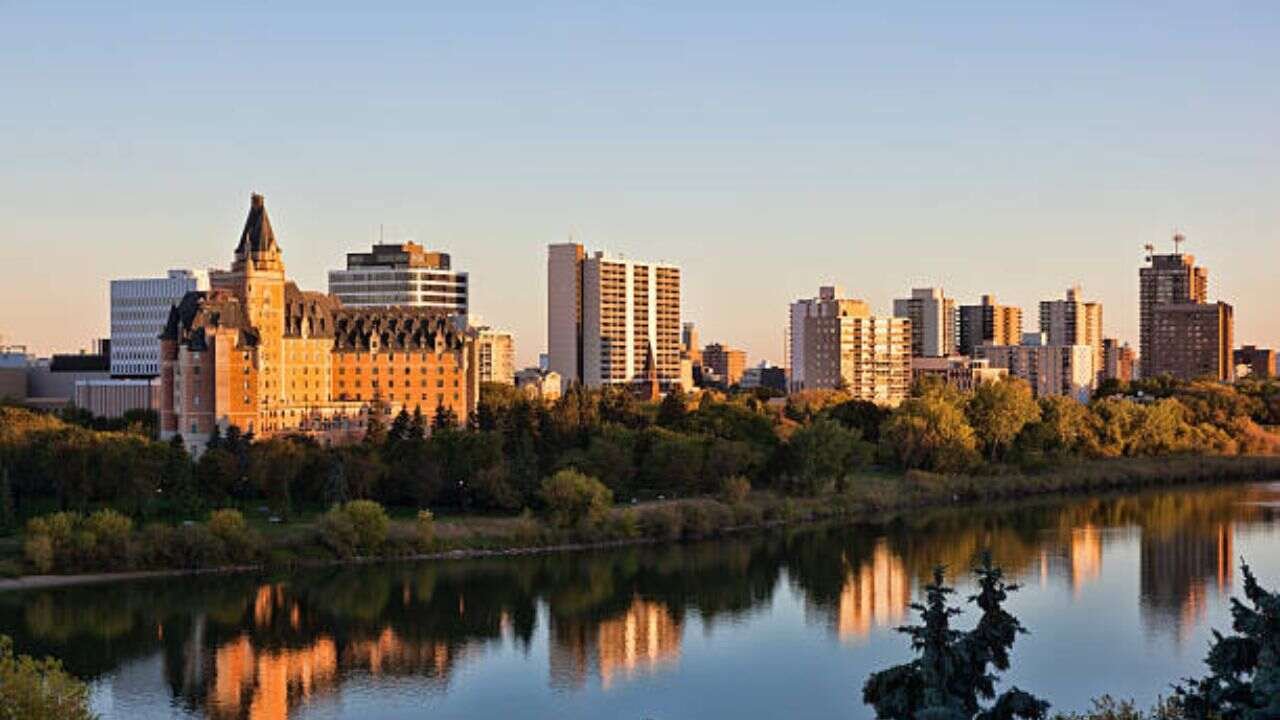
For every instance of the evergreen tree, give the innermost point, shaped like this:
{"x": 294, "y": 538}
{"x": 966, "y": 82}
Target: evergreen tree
{"x": 8, "y": 514}
{"x": 418, "y": 424}
{"x": 215, "y": 438}
{"x": 399, "y": 431}
{"x": 1244, "y": 669}
{"x": 445, "y": 418}
{"x": 953, "y": 674}
{"x": 375, "y": 428}
{"x": 335, "y": 483}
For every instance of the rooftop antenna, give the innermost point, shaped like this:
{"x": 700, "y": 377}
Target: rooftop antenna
{"x": 1178, "y": 239}
{"x": 1151, "y": 250}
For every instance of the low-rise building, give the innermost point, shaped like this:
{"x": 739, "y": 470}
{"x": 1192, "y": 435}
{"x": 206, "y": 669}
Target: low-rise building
{"x": 538, "y": 383}
{"x": 765, "y": 376}
{"x": 1049, "y": 369}
{"x": 725, "y": 364}
{"x": 113, "y": 397}
{"x": 1257, "y": 362}
{"x": 959, "y": 371}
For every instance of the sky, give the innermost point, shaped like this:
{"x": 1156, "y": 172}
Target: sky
{"x": 1009, "y": 148}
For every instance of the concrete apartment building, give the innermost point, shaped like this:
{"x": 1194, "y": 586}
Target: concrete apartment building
{"x": 1192, "y": 341}
{"x": 1073, "y": 321}
{"x": 837, "y": 342}
{"x": 933, "y": 322}
{"x": 1168, "y": 279}
{"x": 402, "y": 274}
{"x": 496, "y": 355}
{"x": 959, "y": 371}
{"x": 724, "y": 363}
{"x": 1118, "y": 361}
{"x": 612, "y": 320}
{"x": 1257, "y": 362}
{"x": 1049, "y": 369}
{"x": 989, "y": 323}
{"x": 139, "y": 309}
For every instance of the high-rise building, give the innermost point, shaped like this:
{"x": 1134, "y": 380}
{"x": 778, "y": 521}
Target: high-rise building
{"x": 1257, "y": 362}
{"x": 256, "y": 352}
{"x": 611, "y": 320}
{"x": 689, "y": 343}
{"x": 401, "y": 274}
{"x": 1117, "y": 360}
{"x": 1048, "y": 369}
{"x": 989, "y": 323}
{"x": 496, "y": 355}
{"x": 1073, "y": 321}
{"x": 933, "y": 321}
{"x": 838, "y": 343}
{"x": 1191, "y": 341}
{"x": 726, "y": 364}
{"x": 1169, "y": 279}
{"x": 139, "y": 309}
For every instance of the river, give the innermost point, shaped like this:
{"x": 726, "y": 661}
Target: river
{"x": 1119, "y": 593}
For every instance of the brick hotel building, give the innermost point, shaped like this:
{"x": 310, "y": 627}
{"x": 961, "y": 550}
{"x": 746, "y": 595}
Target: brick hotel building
{"x": 257, "y": 352}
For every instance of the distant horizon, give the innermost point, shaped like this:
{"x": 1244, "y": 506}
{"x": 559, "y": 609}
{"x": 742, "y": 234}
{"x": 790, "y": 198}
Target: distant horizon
{"x": 1007, "y": 149}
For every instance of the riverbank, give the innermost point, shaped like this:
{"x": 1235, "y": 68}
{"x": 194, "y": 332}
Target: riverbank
{"x": 867, "y": 497}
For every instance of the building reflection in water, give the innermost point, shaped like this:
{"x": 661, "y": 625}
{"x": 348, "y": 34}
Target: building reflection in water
{"x": 256, "y": 683}
{"x": 1178, "y": 570}
{"x": 876, "y": 593}
{"x": 1079, "y": 561}
{"x": 643, "y": 638}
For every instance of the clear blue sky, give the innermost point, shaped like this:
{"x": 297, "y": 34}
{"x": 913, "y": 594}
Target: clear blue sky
{"x": 1013, "y": 148}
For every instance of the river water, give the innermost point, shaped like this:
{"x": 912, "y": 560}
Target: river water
{"x": 1120, "y": 594}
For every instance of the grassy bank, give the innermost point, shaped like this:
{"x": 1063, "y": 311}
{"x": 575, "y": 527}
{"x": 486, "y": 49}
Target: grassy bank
{"x": 320, "y": 538}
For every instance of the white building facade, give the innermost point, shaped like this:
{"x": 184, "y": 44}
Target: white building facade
{"x": 933, "y": 321}
{"x": 401, "y": 274}
{"x": 1049, "y": 369}
{"x": 608, "y": 318}
{"x": 139, "y": 309}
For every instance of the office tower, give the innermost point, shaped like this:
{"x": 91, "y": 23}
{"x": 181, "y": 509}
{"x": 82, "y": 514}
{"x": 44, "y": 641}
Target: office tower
{"x": 401, "y": 274}
{"x": 139, "y": 309}
{"x": 989, "y": 323}
{"x": 689, "y": 343}
{"x": 1049, "y": 369}
{"x": 496, "y": 355}
{"x": 1191, "y": 341}
{"x": 1258, "y": 362}
{"x": 1117, "y": 360}
{"x": 838, "y": 343}
{"x": 725, "y": 363}
{"x": 610, "y": 320}
{"x": 256, "y": 352}
{"x": 1073, "y": 321}
{"x": 933, "y": 321}
{"x": 1168, "y": 279}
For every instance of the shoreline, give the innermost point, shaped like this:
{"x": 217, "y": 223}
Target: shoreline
{"x": 917, "y": 491}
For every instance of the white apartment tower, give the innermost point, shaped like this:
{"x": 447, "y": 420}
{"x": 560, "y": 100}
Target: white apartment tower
{"x": 1073, "y": 321}
{"x": 139, "y": 310}
{"x": 608, "y": 318}
{"x": 496, "y": 355}
{"x": 933, "y": 322}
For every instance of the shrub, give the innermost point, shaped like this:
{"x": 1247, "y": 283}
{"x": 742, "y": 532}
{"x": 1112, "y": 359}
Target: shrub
{"x": 624, "y": 525}
{"x": 357, "y": 526}
{"x": 426, "y": 529}
{"x": 735, "y": 489}
{"x": 240, "y": 544}
{"x": 697, "y": 520}
{"x": 111, "y": 531}
{"x": 664, "y": 522}
{"x": 575, "y": 500}
{"x": 39, "y": 689}
{"x": 38, "y": 550}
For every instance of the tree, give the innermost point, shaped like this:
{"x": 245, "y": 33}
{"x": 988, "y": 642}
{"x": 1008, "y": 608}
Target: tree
{"x": 998, "y": 411}
{"x": 418, "y": 424}
{"x": 8, "y": 515}
{"x": 335, "y": 484}
{"x": 375, "y": 426}
{"x": 672, "y": 410}
{"x": 1244, "y": 669}
{"x": 1065, "y": 427}
{"x": 445, "y": 418}
{"x": 399, "y": 431}
{"x": 953, "y": 674}
{"x": 823, "y": 453}
{"x": 39, "y": 689}
{"x": 930, "y": 432}
{"x": 574, "y": 500}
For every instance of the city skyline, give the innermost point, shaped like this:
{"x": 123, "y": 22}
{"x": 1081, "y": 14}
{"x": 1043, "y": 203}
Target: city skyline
{"x": 879, "y": 150}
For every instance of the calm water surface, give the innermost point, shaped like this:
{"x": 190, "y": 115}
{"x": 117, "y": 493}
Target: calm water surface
{"x": 1119, "y": 593}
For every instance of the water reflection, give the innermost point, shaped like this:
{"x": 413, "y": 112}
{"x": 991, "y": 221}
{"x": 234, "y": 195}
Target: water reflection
{"x": 250, "y": 646}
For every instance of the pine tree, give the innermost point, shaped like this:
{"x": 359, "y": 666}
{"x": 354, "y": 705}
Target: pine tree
{"x": 445, "y": 418}
{"x": 335, "y": 484}
{"x": 418, "y": 424}
{"x": 215, "y": 439}
{"x": 953, "y": 674}
{"x": 672, "y": 411}
{"x": 1244, "y": 668}
{"x": 399, "y": 431}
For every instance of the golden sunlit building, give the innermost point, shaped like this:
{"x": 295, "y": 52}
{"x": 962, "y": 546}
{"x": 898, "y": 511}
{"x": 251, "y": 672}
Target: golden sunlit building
{"x": 257, "y": 352}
